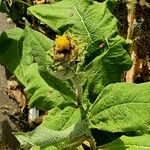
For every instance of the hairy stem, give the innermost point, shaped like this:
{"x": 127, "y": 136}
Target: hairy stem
{"x": 79, "y": 95}
{"x": 78, "y": 90}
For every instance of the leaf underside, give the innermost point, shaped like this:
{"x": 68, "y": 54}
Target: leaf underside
{"x": 60, "y": 128}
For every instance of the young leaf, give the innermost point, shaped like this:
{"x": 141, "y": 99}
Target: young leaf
{"x": 122, "y": 107}
{"x": 40, "y": 46}
{"x": 129, "y": 143}
{"x": 70, "y": 130}
{"x": 62, "y": 86}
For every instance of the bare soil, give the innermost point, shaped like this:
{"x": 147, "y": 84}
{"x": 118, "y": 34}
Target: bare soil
{"x": 9, "y": 111}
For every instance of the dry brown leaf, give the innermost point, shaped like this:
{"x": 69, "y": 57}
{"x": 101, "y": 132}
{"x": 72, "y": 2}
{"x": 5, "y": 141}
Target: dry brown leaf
{"x": 39, "y": 120}
{"x": 14, "y": 91}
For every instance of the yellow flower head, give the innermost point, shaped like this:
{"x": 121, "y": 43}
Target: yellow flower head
{"x": 61, "y": 43}
{"x": 65, "y": 48}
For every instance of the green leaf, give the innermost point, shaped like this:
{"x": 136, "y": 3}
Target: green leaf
{"x": 106, "y": 66}
{"x": 129, "y": 143}
{"x": 60, "y": 129}
{"x": 35, "y": 148}
{"x": 15, "y": 55}
{"x": 122, "y": 107}
{"x": 40, "y": 94}
{"x": 47, "y": 148}
{"x": 40, "y": 46}
{"x": 89, "y": 22}
{"x": 59, "y": 120}
{"x": 3, "y": 6}
{"x": 22, "y": 47}
{"x": 63, "y": 86}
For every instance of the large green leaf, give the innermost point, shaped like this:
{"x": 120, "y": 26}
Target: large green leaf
{"x": 90, "y": 22}
{"x": 106, "y": 66}
{"x": 122, "y": 107}
{"x": 60, "y": 129}
{"x": 14, "y": 52}
{"x": 129, "y": 143}
{"x": 41, "y": 95}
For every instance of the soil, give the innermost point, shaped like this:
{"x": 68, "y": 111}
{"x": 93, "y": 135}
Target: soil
{"x": 8, "y": 107}
{"x": 5, "y": 22}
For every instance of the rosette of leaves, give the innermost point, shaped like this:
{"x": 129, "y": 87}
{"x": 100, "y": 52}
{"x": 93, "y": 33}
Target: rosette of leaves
{"x": 75, "y": 87}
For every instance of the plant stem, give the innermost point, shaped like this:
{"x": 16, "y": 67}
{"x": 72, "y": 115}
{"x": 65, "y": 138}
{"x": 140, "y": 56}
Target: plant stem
{"x": 92, "y": 143}
{"x": 79, "y": 95}
{"x": 78, "y": 90}
{"x": 130, "y": 75}
{"x": 131, "y": 18}
{"x": 77, "y": 141}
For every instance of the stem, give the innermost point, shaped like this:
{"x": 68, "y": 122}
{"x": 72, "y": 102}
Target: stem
{"x": 130, "y": 75}
{"x": 78, "y": 90}
{"x": 91, "y": 140}
{"x": 131, "y": 18}
{"x": 79, "y": 95}
{"x": 77, "y": 141}
{"x": 92, "y": 143}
